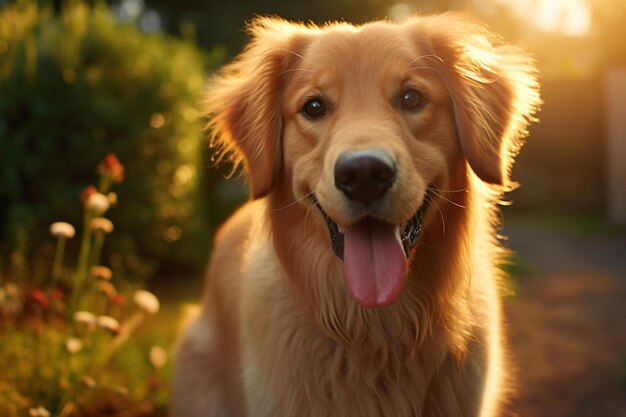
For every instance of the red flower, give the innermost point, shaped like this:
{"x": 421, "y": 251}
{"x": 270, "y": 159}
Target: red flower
{"x": 112, "y": 168}
{"x": 39, "y": 297}
{"x": 154, "y": 383}
{"x": 87, "y": 192}
{"x": 57, "y": 295}
{"x": 118, "y": 299}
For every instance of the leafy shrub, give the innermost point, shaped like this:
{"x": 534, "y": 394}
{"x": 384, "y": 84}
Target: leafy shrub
{"x": 76, "y": 86}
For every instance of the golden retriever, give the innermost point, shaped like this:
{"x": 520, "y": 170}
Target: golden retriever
{"x": 361, "y": 278}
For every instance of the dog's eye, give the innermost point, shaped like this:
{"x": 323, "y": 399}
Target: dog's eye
{"x": 412, "y": 100}
{"x": 314, "y": 108}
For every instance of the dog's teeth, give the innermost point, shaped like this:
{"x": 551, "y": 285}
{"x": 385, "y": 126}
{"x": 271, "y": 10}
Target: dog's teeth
{"x": 341, "y": 228}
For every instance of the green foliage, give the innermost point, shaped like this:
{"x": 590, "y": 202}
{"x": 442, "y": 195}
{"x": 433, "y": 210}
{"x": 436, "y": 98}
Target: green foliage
{"x": 78, "y": 85}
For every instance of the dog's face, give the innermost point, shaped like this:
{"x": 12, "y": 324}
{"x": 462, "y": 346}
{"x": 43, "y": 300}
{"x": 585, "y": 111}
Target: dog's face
{"x": 366, "y": 126}
{"x": 363, "y": 121}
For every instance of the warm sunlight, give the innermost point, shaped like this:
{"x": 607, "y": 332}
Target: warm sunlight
{"x": 570, "y": 17}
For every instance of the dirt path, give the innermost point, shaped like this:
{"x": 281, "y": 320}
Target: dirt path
{"x": 567, "y": 325}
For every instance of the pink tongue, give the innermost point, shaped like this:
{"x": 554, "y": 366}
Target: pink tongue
{"x": 374, "y": 263}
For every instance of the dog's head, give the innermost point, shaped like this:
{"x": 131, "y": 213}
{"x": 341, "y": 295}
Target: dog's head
{"x": 364, "y": 121}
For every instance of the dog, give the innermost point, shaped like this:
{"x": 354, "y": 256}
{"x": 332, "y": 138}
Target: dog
{"x": 361, "y": 278}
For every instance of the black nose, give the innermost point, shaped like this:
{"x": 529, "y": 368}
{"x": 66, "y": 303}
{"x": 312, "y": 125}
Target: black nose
{"x": 364, "y": 177}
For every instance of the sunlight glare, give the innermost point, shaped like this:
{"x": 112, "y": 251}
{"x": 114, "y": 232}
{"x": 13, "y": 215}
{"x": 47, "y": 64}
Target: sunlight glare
{"x": 570, "y": 17}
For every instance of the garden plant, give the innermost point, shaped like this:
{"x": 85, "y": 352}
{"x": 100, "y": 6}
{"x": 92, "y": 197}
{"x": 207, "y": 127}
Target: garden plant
{"x": 68, "y": 345}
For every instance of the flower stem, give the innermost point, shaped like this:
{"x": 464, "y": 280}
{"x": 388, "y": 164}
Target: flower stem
{"x": 57, "y": 265}
{"x": 97, "y": 248}
{"x": 83, "y": 261}
{"x": 105, "y": 184}
{"x": 126, "y": 330}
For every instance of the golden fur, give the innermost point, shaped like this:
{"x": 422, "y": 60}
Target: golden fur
{"x": 278, "y": 334}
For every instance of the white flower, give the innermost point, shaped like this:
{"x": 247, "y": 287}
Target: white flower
{"x": 88, "y": 381}
{"x": 73, "y": 345}
{"x": 10, "y": 300}
{"x": 147, "y": 301}
{"x": 109, "y": 323}
{"x": 102, "y": 224}
{"x": 84, "y": 317}
{"x": 38, "y": 412}
{"x": 112, "y": 198}
{"x": 62, "y": 229}
{"x": 12, "y": 290}
{"x": 102, "y": 272}
{"x": 98, "y": 203}
{"x": 158, "y": 357}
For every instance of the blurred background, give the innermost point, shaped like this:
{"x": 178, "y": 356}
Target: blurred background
{"x": 79, "y": 80}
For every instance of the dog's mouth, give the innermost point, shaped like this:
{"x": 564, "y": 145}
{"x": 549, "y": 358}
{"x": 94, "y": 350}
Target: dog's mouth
{"x": 374, "y": 255}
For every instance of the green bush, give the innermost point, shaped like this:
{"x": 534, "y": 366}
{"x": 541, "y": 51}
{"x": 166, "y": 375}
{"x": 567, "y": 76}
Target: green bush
{"x": 77, "y": 85}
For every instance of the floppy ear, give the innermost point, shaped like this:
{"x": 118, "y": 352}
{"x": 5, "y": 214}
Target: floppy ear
{"x": 245, "y": 101}
{"x": 494, "y": 93}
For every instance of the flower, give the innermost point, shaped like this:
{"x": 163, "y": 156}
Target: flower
{"x": 88, "y": 381}
{"x": 112, "y": 199}
{"x": 158, "y": 357}
{"x": 62, "y": 230}
{"x": 87, "y": 192}
{"x": 108, "y": 323}
{"x": 38, "y": 412}
{"x": 10, "y": 300}
{"x": 12, "y": 290}
{"x": 112, "y": 168}
{"x": 73, "y": 345}
{"x": 147, "y": 301}
{"x": 107, "y": 288}
{"x": 102, "y": 224}
{"x": 102, "y": 272}
{"x": 57, "y": 295}
{"x": 98, "y": 203}
{"x": 84, "y": 317}
{"x": 118, "y": 299}
{"x": 39, "y": 297}
{"x": 154, "y": 383}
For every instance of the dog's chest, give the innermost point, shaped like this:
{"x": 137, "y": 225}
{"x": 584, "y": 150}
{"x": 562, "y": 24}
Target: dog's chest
{"x": 315, "y": 381}
{"x": 290, "y": 367}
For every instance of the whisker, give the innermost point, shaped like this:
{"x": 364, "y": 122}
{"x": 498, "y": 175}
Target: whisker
{"x": 437, "y": 207}
{"x": 448, "y": 191}
{"x": 294, "y": 202}
{"x": 293, "y": 53}
{"x": 446, "y": 199}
